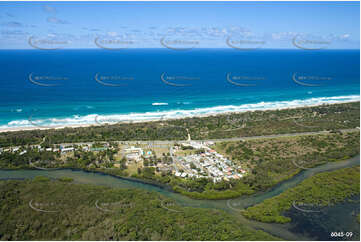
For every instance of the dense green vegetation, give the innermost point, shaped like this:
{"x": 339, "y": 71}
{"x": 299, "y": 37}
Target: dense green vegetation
{"x": 270, "y": 162}
{"x": 201, "y": 188}
{"x": 56, "y": 210}
{"x": 324, "y": 189}
{"x": 34, "y": 157}
{"x": 9, "y": 160}
{"x": 324, "y": 117}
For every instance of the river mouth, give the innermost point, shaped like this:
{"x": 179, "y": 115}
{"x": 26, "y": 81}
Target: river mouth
{"x": 232, "y": 206}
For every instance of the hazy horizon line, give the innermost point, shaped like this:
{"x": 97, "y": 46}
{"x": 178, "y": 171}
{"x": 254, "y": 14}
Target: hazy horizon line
{"x": 214, "y": 48}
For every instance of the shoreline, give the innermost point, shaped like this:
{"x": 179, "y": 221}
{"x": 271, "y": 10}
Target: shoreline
{"x": 163, "y": 118}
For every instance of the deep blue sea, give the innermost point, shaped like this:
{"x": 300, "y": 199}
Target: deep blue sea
{"x": 70, "y": 87}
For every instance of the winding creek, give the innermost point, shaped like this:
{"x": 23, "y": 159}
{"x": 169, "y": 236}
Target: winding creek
{"x": 232, "y": 206}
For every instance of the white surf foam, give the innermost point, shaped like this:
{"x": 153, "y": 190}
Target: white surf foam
{"x": 174, "y": 114}
{"x": 159, "y": 104}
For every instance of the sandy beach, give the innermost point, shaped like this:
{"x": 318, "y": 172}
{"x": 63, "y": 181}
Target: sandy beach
{"x": 34, "y": 127}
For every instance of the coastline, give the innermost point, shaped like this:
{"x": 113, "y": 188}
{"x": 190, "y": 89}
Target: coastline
{"x": 211, "y": 111}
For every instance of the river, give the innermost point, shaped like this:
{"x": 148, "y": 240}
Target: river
{"x": 232, "y": 206}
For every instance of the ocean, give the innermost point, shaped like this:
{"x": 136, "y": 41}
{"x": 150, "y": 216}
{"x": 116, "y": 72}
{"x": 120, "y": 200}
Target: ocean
{"x": 50, "y": 88}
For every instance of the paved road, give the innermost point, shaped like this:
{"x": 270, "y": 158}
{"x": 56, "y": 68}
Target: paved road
{"x": 157, "y": 142}
{"x": 281, "y": 135}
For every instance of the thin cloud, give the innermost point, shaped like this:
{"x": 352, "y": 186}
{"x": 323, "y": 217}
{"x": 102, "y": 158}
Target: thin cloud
{"x": 49, "y": 9}
{"x": 13, "y": 24}
{"x": 55, "y": 20}
{"x": 345, "y": 36}
{"x": 91, "y": 29}
{"x": 14, "y": 32}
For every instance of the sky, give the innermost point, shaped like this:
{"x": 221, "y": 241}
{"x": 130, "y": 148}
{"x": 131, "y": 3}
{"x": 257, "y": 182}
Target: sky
{"x": 182, "y": 25}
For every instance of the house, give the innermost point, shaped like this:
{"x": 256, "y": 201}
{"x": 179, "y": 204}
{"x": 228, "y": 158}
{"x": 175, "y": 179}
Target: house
{"x": 98, "y": 148}
{"x": 208, "y": 143}
{"x": 133, "y": 153}
{"x": 165, "y": 169}
{"x": 242, "y": 171}
{"x": 229, "y": 169}
{"x": 22, "y": 152}
{"x": 135, "y": 150}
{"x": 133, "y": 156}
{"x": 196, "y": 145}
{"x": 66, "y": 149}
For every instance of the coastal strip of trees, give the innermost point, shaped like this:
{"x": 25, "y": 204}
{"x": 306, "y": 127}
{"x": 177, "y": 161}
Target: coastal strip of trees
{"x": 253, "y": 123}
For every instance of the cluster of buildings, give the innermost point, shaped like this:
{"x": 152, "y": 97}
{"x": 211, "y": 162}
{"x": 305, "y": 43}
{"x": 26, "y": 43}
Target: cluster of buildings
{"x": 84, "y": 147}
{"x": 13, "y": 150}
{"x": 208, "y": 164}
{"x": 135, "y": 154}
{"x": 59, "y": 148}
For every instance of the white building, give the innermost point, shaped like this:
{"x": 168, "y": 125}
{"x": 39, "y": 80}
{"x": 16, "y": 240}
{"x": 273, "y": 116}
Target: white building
{"x": 133, "y": 156}
{"x": 133, "y": 149}
{"x": 22, "y": 152}
{"x": 67, "y": 149}
{"x": 133, "y": 153}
